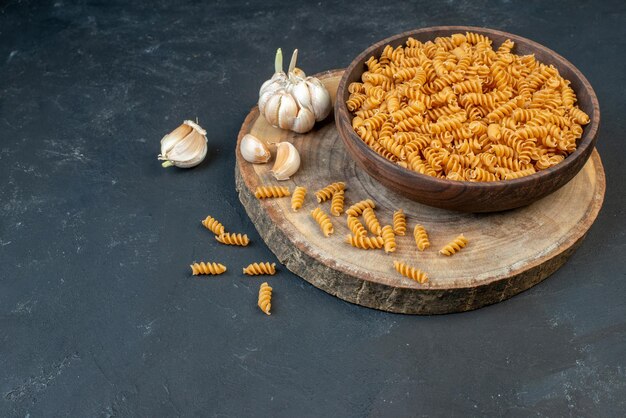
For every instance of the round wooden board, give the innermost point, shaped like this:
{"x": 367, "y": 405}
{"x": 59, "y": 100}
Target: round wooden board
{"x": 508, "y": 252}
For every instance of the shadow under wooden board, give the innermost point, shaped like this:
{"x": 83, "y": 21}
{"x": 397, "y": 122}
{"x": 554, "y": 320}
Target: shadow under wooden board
{"x": 508, "y": 252}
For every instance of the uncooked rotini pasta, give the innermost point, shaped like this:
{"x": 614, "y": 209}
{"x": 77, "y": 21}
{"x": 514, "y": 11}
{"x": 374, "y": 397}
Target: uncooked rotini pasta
{"x": 356, "y": 227}
{"x": 421, "y": 237}
{"x": 328, "y": 191}
{"x": 213, "y": 225}
{"x": 371, "y": 221}
{"x": 207, "y": 268}
{"x": 233, "y": 239}
{"x": 454, "y": 246}
{"x": 256, "y": 269}
{"x": 461, "y": 109}
{"x": 336, "y": 204}
{"x": 410, "y": 272}
{"x": 265, "y": 298}
{"x": 323, "y": 221}
{"x": 357, "y": 208}
{"x": 389, "y": 239}
{"x": 297, "y": 199}
{"x": 399, "y": 222}
{"x": 265, "y": 192}
{"x": 365, "y": 243}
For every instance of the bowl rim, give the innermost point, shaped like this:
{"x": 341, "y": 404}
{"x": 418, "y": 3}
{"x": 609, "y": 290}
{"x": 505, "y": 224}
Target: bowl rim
{"x": 587, "y": 140}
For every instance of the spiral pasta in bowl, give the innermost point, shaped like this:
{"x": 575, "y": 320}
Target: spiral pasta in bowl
{"x": 465, "y": 118}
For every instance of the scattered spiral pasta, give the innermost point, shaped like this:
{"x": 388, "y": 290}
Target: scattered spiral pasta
{"x": 371, "y": 221}
{"x": 389, "y": 239}
{"x": 421, "y": 237}
{"x": 410, "y": 272}
{"x": 323, "y": 221}
{"x": 365, "y": 243}
{"x": 265, "y": 192}
{"x": 328, "y": 191}
{"x": 265, "y": 298}
{"x": 256, "y": 269}
{"x": 336, "y": 204}
{"x": 456, "y": 108}
{"x": 297, "y": 199}
{"x": 356, "y": 227}
{"x": 213, "y": 225}
{"x": 454, "y": 246}
{"x": 207, "y": 268}
{"x": 233, "y": 239}
{"x": 399, "y": 222}
{"x": 357, "y": 208}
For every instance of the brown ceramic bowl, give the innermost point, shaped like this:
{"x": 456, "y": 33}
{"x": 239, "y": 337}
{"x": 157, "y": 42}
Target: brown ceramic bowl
{"x": 464, "y": 195}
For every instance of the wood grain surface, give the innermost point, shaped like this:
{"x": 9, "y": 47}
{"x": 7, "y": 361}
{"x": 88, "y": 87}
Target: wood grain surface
{"x": 508, "y": 252}
{"x": 464, "y": 195}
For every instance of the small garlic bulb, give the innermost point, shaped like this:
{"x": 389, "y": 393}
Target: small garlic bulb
{"x": 185, "y": 146}
{"x": 287, "y": 161}
{"x": 293, "y": 101}
{"x": 254, "y": 150}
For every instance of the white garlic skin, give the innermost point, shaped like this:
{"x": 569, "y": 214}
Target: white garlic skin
{"x": 254, "y": 150}
{"x": 186, "y": 146}
{"x": 287, "y": 161}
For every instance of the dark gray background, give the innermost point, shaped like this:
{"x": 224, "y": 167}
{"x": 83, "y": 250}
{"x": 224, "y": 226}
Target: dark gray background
{"x": 98, "y": 313}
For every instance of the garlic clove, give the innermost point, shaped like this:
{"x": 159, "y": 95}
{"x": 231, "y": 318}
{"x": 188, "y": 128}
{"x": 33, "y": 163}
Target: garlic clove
{"x": 271, "y": 109}
{"x": 184, "y": 151}
{"x": 263, "y": 98}
{"x": 320, "y": 98}
{"x": 254, "y": 150}
{"x": 300, "y": 91}
{"x": 287, "y": 111}
{"x": 169, "y": 141}
{"x": 287, "y": 161}
{"x": 304, "y": 121}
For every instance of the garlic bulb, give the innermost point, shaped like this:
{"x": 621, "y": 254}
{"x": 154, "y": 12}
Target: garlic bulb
{"x": 254, "y": 150}
{"x": 293, "y": 101}
{"x": 287, "y": 161}
{"x": 185, "y": 146}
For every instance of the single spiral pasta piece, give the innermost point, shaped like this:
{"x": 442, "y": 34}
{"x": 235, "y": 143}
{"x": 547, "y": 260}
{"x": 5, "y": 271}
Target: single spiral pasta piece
{"x": 323, "y": 221}
{"x": 265, "y": 298}
{"x": 371, "y": 221}
{"x": 474, "y": 38}
{"x": 365, "y": 243}
{"x": 207, "y": 268}
{"x": 241, "y": 240}
{"x": 356, "y": 227}
{"x": 454, "y": 246}
{"x": 265, "y": 192}
{"x": 521, "y": 173}
{"x": 327, "y": 192}
{"x": 355, "y": 87}
{"x": 256, "y": 269}
{"x": 399, "y": 222}
{"x": 355, "y": 101}
{"x": 421, "y": 237}
{"x": 213, "y": 225}
{"x": 579, "y": 116}
{"x": 357, "y": 208}
{"x": 297, "y": 198}
{"x": 389, "y": 239}
{"x": 336, "y": 204}
{"x": 410, "y": 272}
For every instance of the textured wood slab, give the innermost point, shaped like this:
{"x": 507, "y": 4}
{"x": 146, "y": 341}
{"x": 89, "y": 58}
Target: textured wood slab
{"x": 508, "y": 252}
